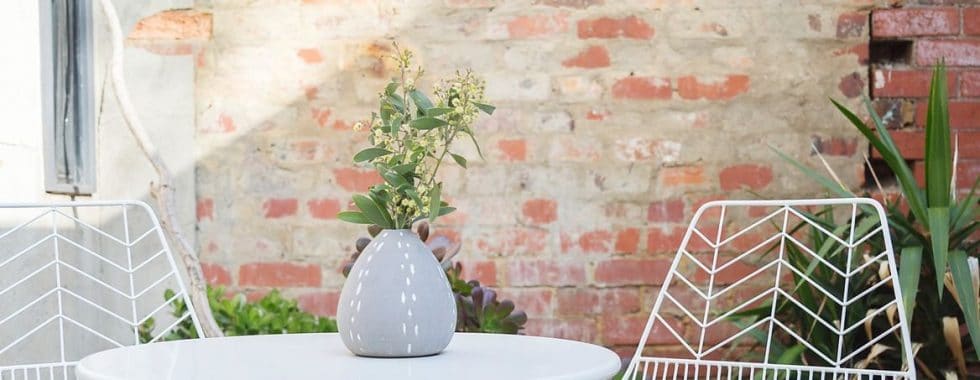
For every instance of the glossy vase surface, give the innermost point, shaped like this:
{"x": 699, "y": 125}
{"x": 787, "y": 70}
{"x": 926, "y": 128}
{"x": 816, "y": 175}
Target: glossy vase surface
{"x": 396, "y": 301}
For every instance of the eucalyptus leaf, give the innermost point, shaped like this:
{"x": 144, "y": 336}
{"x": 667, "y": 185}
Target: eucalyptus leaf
{"x": 437, "y": 111}
{"x": 486, "y": 108}
{"x": 370, "y": 154}
{"x": 434, "y": 202}
{"x": 420, "y": 100}
{"x": 426, "y": 123}
{"x": 353, "y": 217}
{"x": 459, "y": 159}
{"x": 373, "y": 211}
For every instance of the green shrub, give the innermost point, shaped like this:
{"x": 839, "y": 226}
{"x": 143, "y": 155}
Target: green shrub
{"x": 272, "y": 314}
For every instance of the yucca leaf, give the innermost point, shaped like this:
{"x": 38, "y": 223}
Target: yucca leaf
{"x": 908, "y": 277}
{"x": 939, "y": 230}
{"x": 373, "y": 211}
{"x": 963, "y": 281}
{"x": 963, "y": 210}
{"x": 883, "y": 143}
{"x": 938, "y": 156}
{"x": 828, "y": 183}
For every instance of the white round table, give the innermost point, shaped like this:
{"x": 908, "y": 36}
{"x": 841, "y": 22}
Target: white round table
{"x": 323, "y": 357}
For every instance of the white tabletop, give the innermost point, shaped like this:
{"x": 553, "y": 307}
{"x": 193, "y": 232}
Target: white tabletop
{"x": 323, "y": 357}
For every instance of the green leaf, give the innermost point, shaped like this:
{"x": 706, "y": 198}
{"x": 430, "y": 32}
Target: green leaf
{"x": 355, "y": 217}
{"x": 370, "y": 154}
{"x": 459, "y": 159}
{"x": 939, "y": 230}
{"x": 404, "y": 169}
{"x": 908, "y": 277}
{"x": 486, "y": 108}
{"x": 886, "y": 147}
{"x": 938, "y": 156}
{"x": 444, "y": 210}
{"x": 434, "y": 202}
{"x": 420, "y": 100}
{"x": 373, "y": 211}
{"x": 394, "y": 179}
{"x": 436, "y": 111}
{"x": 425, "y": 123}
{"x": 791, "y": 355}
{"x": 391, "y": 88}
{"x": 397, "y": 102}
{"x": 963, "y": 279}
{"x": 963, "y": 210}
{"x": 828, "y": 183}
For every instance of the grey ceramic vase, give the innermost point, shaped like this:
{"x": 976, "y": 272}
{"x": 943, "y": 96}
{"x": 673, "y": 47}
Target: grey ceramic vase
{"x": 396, "y": 301}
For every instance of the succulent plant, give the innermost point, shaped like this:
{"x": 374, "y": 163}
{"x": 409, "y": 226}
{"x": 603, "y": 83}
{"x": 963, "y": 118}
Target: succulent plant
{"x": 478, "y": 309}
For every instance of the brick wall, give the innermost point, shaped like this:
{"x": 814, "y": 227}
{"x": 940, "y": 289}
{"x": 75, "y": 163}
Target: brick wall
{"x": 906, "y": 42}
{"x": 615, "y": 121}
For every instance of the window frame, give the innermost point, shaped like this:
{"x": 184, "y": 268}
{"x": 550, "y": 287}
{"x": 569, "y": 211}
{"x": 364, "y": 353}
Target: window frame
{"x": 84, "y": 95}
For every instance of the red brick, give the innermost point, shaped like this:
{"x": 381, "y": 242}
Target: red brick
{"x": 627, "y": 330}
{"x": 906, "y": 83}
{"x": 514, "y": 241}
{"x": 962, "y": 115}
{"x": 955, "y": 52}
{"x": 323, "y": 303}
{"x": 910, "y": 22}
{"x": 545, "y": 272}
{"x": 597, "y": 115}
{"x": 578, "y": 4}
{"x": 851, "y": 24}
{"x": 618, "y": 272}
{"x": 356, "y": 180}
{"x": 280, "y": 207}
{"x": 226, "y": 123}
{"x": 583, "y": 330}
{"x": 591, "y": 301}
{"x": 537, "y": 25}
{"x": 851, "y": 85}
{"x": 513, "y": 150}
{"x": 215, "y": 274}
{"x": 971, "y": 21}
{"x": 627, "y": 240}
{"x": 836, "y": 146}
{"x": 205, "y": 209}
{"x": 323, "y": 208}
{"x": 595, "y": 241}
{"x": 464, "y": 3}
{"x": 690, "y": 87}
{"x": 970, "y": 83}
{"x": 483, "y": 271}
{"x": 682, "y": 176}
{"x": 534, "y": 301}
{"x": 664, "y": 240}
{"x": 669, "y": 210}
{"x": 310, "y": 56}
{"x": 320, "y": 115}
{"x": 590, "y": 58}
{"x": 182, "y": 24}
{"x": 540, "y": 211}
{"x": 606, "y": 27}
{"x": 731, "y": 273}
{"x": 911, "y": 144}
{"x": 967, "y": 172}
{"x": 279, "y": 274}
{"x": 633, "y": 87}
{"x": 752, "y": 176}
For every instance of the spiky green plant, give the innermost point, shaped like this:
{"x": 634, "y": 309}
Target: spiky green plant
{"x": 931, "y": 230}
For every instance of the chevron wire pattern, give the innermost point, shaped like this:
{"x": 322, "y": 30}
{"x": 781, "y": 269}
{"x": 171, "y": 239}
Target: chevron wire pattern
{"x": 724, "y": 271}
{"x": 69, "y": 288}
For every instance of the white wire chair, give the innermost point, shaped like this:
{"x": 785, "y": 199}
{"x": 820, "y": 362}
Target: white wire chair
{"x": 81, "y": 277}
{"x": 780, "y": 290}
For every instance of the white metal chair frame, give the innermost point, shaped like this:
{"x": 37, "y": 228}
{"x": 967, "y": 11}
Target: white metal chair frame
{"x": 131, "y": 295}
{"x": 646, "y": 367}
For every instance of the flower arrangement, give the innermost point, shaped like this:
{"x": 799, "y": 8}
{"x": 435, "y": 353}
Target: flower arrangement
{"x": 411, "y": 137}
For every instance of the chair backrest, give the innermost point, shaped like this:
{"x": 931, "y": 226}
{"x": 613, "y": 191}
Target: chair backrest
{"x": 795, "y": 289}
{"x": 81, "y": 277}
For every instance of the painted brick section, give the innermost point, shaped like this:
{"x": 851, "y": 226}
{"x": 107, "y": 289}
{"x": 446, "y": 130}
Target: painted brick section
{"x": 607, "y": 27}
{"x": 614, "y": 121}
{"x": 279, "y": 275}
{"x": 173, "y": 25}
